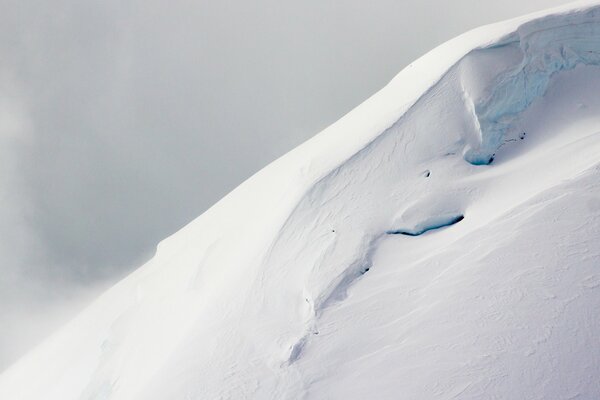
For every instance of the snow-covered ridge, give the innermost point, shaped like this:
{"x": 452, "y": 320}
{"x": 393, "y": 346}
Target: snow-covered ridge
{"x": 235, "y": 304}
{"x": 470, "y": 110}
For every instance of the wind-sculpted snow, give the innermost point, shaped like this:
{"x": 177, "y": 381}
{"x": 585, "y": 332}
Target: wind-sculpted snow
{"x": 295, "y": 286}
{"x": 548, "y": 46}
{"x": 524, "y": 63}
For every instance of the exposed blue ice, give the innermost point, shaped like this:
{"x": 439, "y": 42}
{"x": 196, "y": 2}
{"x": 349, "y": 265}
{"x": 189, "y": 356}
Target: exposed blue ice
{"x": 549, "y": 46}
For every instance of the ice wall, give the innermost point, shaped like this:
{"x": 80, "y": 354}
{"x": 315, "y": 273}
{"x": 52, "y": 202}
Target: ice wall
{"x": 548, "y": 45}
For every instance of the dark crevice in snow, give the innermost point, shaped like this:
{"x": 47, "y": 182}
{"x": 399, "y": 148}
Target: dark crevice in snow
{"x": 433, "y": 224}
{"x": 483, "y": 161}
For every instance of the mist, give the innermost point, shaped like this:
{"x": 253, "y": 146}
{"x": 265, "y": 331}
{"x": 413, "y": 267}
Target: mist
{"x": 121, "y": 121}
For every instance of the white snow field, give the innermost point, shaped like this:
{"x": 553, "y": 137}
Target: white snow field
{"x": 441, "y": 241}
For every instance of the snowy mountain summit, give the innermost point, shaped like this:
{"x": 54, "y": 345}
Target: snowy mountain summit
{"x": 441, "y": 241}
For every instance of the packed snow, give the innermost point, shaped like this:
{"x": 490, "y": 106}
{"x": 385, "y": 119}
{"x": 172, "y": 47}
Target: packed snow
{"x": 438, "y": 242}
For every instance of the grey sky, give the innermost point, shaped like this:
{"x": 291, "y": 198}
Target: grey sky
{"x": 120, "y": 121}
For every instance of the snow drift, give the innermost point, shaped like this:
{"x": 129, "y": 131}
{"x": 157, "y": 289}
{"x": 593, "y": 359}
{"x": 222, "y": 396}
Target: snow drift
{"x": 300, "y": 284}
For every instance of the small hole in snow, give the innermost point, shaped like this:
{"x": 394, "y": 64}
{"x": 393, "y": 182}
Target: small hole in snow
{"x": 427, "y": 173}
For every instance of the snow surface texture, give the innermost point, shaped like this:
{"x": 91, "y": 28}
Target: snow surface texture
{"x": 388, "y": 257}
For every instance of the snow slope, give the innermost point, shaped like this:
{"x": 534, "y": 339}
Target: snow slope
{"x": 438, "y": 242}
